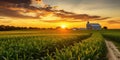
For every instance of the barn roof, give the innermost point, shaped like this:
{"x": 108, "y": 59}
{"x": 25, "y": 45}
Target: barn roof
{"x": 94, "y": 24}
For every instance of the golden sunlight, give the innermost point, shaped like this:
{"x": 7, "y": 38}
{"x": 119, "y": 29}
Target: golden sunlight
{"x": 50, "y": 17}
{"x": 63, "y": 26}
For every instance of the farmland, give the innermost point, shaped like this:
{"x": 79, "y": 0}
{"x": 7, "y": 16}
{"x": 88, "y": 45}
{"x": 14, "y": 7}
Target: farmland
{"x": 30, "y": 45}
{"x": 53, "y": 45}
{"x": 93, "y": 48}
{"x": 113, "y": 36}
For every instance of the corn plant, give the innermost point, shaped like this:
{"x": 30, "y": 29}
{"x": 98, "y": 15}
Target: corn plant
{"x": 34, "y": 46}
{"x": 93, "y": 48}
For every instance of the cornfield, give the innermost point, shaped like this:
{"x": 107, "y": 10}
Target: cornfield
{"x": 93, "y": 48}
{"x": 35, "y": 46}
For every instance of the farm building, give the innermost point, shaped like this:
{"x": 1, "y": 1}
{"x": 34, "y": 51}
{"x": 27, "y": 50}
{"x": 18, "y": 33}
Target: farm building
{"x": 93, "y": 26}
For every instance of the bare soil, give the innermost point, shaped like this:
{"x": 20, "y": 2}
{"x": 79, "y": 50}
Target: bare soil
{"x": 113, "y": 52}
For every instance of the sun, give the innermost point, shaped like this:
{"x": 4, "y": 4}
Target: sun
{"x": 63, "y": 26}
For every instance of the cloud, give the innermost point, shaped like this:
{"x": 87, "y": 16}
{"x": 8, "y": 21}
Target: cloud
{"x": 65, "y": 14}
{"x": 17, "y": 1}
{"x": 13, "y": 13}
{"x": 47, "y": 14}
{"x": 95, "y": 7}
{"x": 1, "y": 18}
{"x": 89, "y": 3}
{"x": 56, "y": 21}
{"x": 5, "y": 19}
{"x": 114, "y": 21}
{"x": 105, "y": 18}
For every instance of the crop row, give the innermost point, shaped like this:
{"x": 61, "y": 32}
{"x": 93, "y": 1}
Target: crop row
{"x": 114, "y": 36}
{"x": 35, "y": 47}
{"x": 93, "y": 48}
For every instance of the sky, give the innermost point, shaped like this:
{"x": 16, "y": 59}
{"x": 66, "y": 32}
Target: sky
{"x": 71, "y": 13}
{"x": 93, "y": 7}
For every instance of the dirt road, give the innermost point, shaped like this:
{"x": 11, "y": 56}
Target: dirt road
{"x": 113, "y": 52}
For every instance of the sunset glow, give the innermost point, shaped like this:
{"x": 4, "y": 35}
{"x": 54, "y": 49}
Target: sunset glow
{"x": 44, "y": 15}
{"x": 50, "y": 17}
{"x": 59, "y": 29}
{"x": 63, "y": 26}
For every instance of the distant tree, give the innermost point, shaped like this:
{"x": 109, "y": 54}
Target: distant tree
{"x": 58, "y": 27}
{"x": 8, "y": 28}
{"x": 105, "y": 27}
{"x": 50, "y": 28}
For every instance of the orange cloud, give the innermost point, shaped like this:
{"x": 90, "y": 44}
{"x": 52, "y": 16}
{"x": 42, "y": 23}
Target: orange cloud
{"x": 114, "y": 21}
{"x": 46, "y": 13}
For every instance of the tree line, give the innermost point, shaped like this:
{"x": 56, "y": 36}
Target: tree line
{"x": 8, "y": 28}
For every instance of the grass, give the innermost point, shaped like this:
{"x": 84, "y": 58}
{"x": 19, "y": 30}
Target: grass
{"x": 117, "y": 44}
{"x": 114, "y": 36}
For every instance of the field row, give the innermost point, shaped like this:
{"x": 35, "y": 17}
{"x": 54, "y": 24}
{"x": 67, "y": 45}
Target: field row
{"x": 113, "y": 36}
{"x": 35, "y": 47}
{"x": 93, "y": 48}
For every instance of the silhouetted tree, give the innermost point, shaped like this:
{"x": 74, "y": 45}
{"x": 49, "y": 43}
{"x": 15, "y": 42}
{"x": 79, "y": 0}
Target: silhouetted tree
{"x": 105, "y": 27}
{"x": 7, "y": 28}
{"x": 58, "y": 27}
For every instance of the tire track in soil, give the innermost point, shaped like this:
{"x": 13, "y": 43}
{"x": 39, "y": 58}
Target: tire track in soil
{"x": 113, "y": 52}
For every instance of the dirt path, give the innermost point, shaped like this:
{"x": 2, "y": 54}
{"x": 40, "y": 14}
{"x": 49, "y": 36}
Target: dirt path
{"x": 113, "y": 52}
